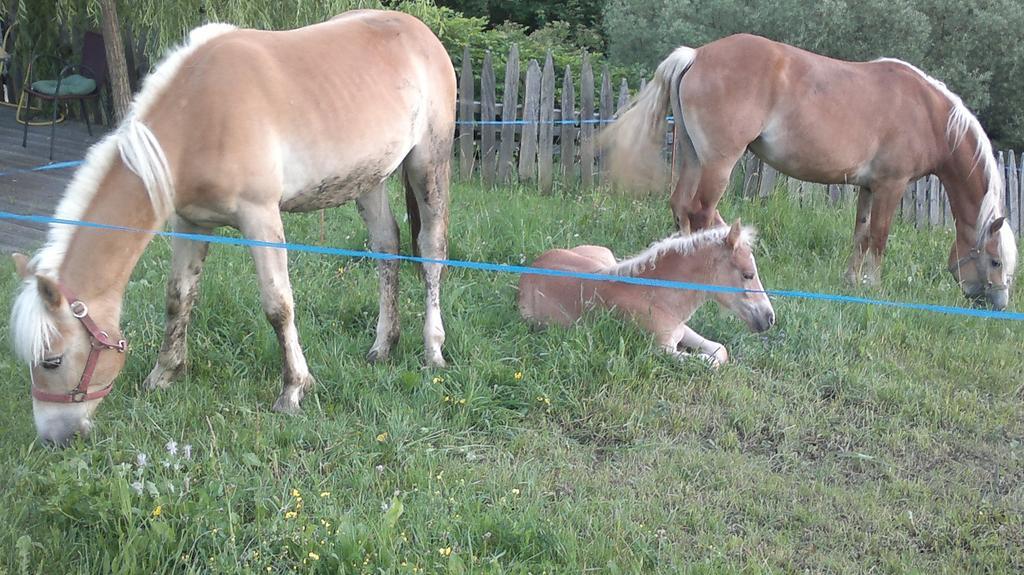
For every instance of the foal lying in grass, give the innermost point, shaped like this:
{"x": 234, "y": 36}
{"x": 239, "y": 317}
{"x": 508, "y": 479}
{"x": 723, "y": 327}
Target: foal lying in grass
{"x": 719, "y": 256}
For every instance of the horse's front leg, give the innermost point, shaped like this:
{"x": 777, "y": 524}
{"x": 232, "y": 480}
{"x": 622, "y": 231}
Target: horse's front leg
{"x": 860, "y": 237}
{"x": 263, "y": 223}
{"x": 886, "y": 197}
{"x": 684, "y": 338}
{"x": 383, "y": 230}
{"x": 182, "y": 289}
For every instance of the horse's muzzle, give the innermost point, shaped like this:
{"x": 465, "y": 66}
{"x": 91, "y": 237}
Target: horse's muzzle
{"x": 58, "y": 424}
{"x": 763, "y": 321}
{"x": 998, "y": 297}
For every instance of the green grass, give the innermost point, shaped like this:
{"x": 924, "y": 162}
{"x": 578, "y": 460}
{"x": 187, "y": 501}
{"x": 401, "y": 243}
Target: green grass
{"x": 846, "y": 439}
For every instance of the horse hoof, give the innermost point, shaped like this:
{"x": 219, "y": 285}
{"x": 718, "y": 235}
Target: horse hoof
{"x": 376, "y": 356}
{"x": 287, "y": 404}
{"x": 159, "y": 378}
{"x": 436, "y": 361}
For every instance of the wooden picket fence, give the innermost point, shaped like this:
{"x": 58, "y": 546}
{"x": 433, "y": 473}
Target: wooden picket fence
{"x": 525, "y": 138}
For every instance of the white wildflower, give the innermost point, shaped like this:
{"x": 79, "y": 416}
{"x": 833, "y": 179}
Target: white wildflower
{"x": 187, "y": 451}
{"x": 172, "y": 447}
{"x": 137, "y": 486}
{"x": 141, "y": 459}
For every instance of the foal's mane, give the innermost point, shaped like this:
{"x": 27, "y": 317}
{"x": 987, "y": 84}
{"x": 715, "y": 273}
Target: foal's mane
{"x": 679, "y": 243}
{"x": 32, "y": 326}
{"x": 961, "y": 122}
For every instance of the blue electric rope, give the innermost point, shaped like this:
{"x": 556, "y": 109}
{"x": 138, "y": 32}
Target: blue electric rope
{"x": 43, "y": 168}
{"x": 514, "y": 269}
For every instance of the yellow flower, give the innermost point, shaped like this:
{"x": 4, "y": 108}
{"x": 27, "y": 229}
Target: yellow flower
{"x": 382, "y": 437}
{"x": 314, "y": 556}
{"x": 159, "y": 509}
{"x": 325, "y": 494}
{"x": 445, "y": 551}
{"x": 438, "y": 379}
{"x": 291, "y": 515}
{"x": 518, "y": 375}
{"x": 295, "y": 493}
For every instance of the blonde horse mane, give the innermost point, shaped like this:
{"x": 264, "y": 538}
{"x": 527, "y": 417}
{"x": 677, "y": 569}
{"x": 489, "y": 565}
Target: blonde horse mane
{"x": 680, "y": 243}
{"x": 32, "y": 326}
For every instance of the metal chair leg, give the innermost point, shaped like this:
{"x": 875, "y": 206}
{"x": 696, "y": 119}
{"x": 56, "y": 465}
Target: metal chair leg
{"x": 53, "y": 125}
{"x": 28, "y": 118}
{"x": 85, "y": 114}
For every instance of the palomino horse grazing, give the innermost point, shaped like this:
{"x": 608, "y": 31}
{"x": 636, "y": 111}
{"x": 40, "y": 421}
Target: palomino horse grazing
{"x": 716, "y": 256}
{"x": 874, "y": 124}
{"x": 232, "y": 129}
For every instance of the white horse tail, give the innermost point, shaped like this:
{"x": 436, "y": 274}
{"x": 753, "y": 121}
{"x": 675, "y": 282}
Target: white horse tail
{"x": 633, "y": 143}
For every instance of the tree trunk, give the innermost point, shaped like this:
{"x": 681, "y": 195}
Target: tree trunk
{"x": 11, "y": 81}
{"x": 117, "y": 66}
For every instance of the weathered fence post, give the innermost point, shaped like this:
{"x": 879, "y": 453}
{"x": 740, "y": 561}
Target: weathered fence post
{"x": 531, "y": 109}
{"x": 623, "y": 96}
{"x": 509, "y": 104}
{"x": 606, "y": 112}
{"x": 488, "y": 143}
{"x": 751, "y": 175}
{"x": 768, "y": 177}
{"x": 907, "y": 203}
{"x": 587, "y": 123}
{"x": 920, "y": 205}
{"x": 934, "y": 209}
{"x": 466, "y": 120}
{"x": 1012, "y": 192}
{"x": 545, "y": 148}
{"x": 569, "y": 131}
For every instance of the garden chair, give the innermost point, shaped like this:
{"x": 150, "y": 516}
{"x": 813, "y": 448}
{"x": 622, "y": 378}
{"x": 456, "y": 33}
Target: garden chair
{"x": 75, "y": 82}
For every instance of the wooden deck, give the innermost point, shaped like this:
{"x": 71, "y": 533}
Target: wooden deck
{"x": 35, "y": 193}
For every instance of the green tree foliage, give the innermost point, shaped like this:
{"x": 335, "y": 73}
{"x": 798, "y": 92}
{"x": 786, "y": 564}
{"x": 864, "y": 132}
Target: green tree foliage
{"x": 974, "y": 46}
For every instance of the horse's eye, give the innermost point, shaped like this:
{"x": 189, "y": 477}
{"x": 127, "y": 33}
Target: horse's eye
{"x": 748, "y": 276}
{"x": 52, "y": 362}
{"x": 996, "y": 264}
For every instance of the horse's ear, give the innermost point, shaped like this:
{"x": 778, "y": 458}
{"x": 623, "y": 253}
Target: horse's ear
{"x": 998, "y": 223}
{"x": 21, "y": 265}
{"x": 49, "y": 292}
{"x": 733, "y": 239}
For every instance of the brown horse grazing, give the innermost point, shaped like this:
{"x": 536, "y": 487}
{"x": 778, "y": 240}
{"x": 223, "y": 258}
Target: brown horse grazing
{"x": 716, "y": 256}
{"x": 232, "y": 129}
{"x": 874, "y": 124}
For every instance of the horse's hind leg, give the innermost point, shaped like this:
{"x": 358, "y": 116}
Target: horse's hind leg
{"x": 686, "y": 186}
{"x": 182, "y": 289}
{"x": 264, "y": 224}
{"x": 860, "y": 237}
{"x": 427, "y": 173}
{"x": 714, "y": 178}
{"x": 380, "y": 223}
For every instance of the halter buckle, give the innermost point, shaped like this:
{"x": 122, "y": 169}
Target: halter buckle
{"x": 77, "y": 396}
{"x": 79, "y": 309}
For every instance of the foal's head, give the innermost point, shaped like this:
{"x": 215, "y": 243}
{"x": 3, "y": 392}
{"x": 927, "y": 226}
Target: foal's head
{"x": 987, "y": 271}
{"x": 71, "y": 370}
{"x": 735, "y": 266}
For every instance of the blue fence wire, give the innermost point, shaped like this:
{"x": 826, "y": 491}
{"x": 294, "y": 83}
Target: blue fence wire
{"x": 515, "y": 269}
{"x": 43, "y": 168}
